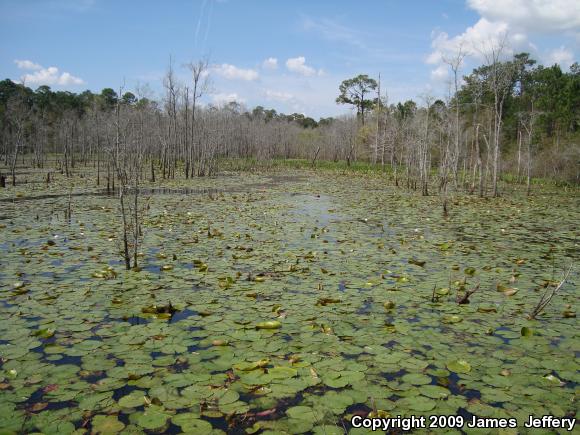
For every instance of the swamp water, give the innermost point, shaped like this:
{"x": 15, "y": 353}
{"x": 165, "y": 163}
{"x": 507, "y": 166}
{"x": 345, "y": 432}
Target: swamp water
{"x": 283, "y": 305}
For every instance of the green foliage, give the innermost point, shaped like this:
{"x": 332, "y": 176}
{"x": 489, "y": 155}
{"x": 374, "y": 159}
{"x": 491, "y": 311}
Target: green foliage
{"x": 339, "y": 322}
{"x": 405, "y": 110}
{"x": 129, "y": 98}
{"x": 355, "y": 92}
{"x": 108, "y": 98}
{"x": 267, "y": 115}
{"x": 555, "y": 94}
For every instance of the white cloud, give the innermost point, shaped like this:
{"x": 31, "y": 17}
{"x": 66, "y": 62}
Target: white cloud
{"x": 515, "y": 21}
{"x": 27, "y": 64}
{"x": 223, "y": 98}
{"x": 298, "y": 65}
{"x": 46, "y": 76}
{"x": 232, "y": 72}
{"x": 278, "y": 96}
{"x": 473, "y": 41}
{"x": 549, "y": 16}
{"x": 562, "y": 56}
{"x": 270, "y": 63}
{"x": 440, "y": 74}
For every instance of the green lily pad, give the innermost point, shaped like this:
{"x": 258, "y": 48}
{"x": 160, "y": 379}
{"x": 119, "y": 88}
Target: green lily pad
{"x": 419, "y": 403}
{"x": 272, "y": 324}
{"x": 105, "y": 425}
{"x": 44, "y": 333}
{"x": 459, "y": 366}
{"x": 416, "y": 379}
{"x": 527, "y": 332}
{"x": 434, "y": 391}
{"x": 304, "y": 413}
{"x": 152, "y": 418}
{"x": 452, "y": 319}
{"x": 132, "y": 400}
{"x": 226, "y": 396}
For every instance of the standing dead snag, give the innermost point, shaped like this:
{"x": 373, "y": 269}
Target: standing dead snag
{"x": 547, "y": 296}
{"x": 500, "y": 77}
{"x": 201, "y": 84}
{"x": 121, "y": 170}
{"x": 450, "y": 159}
{"x": 315, "y": 156}
{"x": 462, "y": 300}
{"x": 127, "y": 159}
{"x": 433, "y": 295}
{"x": 18, "y": 116}
{"x": 68, "y": 211}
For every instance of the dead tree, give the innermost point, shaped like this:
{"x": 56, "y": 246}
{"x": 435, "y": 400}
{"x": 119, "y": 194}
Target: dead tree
{"x": 547, "y": 296}
{"x": 19, "y": 113}
{"x": 464, "y": 299}
{"x": 500, "y": 80}
{"x": 455, "y": 63}
{"x": 127, "y": 159}
{"x": 528, "y": 123}
{"x": 200, "y": 78}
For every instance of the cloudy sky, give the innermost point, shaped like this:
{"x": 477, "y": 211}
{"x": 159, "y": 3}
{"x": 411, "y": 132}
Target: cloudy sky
{"x": 290, "y": 55}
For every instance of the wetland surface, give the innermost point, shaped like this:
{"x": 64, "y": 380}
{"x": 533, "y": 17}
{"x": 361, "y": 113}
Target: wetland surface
{"x": 283, "y": 303}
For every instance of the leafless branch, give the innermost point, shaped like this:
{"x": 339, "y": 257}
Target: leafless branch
{"x": 547, "y": 296}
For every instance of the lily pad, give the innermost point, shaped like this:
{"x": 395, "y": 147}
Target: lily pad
{"x": 304, "y": 413}
{"x": 152, "y": 418}
{"x": 272, "y": 324}
{"x": 105, "y": 425}
{"x": 459, "y": 366}
{"x": 132, "y": 400}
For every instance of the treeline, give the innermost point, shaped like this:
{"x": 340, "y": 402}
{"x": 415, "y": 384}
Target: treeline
{"x": 535, "y": 111}
{"x": 506, "y": 116}
{"x": 175, "y": 133}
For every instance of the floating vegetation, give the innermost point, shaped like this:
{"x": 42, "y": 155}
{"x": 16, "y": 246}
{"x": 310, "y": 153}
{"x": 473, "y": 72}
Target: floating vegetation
{"x": 238, "y": 320}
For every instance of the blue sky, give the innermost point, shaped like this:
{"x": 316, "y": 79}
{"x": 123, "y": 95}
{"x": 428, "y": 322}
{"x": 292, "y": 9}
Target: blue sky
{"x": 289, "y": 55}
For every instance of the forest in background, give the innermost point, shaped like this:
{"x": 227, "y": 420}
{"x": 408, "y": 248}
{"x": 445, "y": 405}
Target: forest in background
{"x": 169, "y": 266}
{"x": 511, "y": 117}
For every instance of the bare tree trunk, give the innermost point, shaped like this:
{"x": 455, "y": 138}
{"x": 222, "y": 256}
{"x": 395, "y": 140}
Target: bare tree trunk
{"x": 519, "y": 152}
{"x": 375, "y": 156}
{"x": 14, "y": 160}
{"x": 126, "y": 255}
{"x": 315, "y": 156}
{"x": 496, "y": 153}
{"x": 135, "y": 219}
{"x": 530, "y": 130}
{"x": 121, "y": 172}
{"x": 479, "y": 163}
